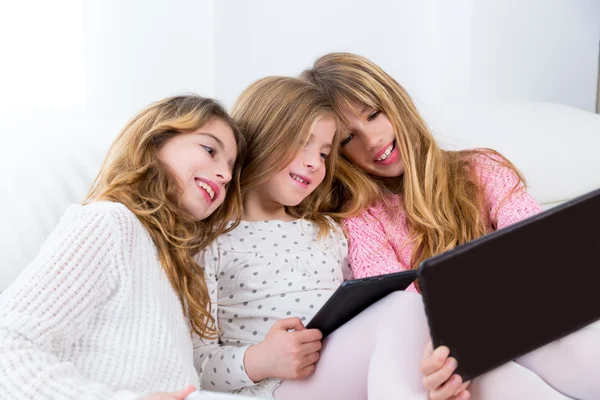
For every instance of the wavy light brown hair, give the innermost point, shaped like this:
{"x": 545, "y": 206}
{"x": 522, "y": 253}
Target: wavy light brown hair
{"x": 276, "y": 115}
{"x": 133, "y": 175}
{"x": 440, "y": 194}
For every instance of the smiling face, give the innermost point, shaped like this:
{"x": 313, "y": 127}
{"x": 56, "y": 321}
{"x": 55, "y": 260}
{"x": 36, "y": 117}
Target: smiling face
{"x": 370, "y": 143}
{"x": 299, "y": 178}
{"x": 202, "y": 162}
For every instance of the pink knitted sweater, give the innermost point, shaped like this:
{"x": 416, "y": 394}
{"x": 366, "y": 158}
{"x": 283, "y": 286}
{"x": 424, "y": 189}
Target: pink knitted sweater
{"x": 379, "y": 239}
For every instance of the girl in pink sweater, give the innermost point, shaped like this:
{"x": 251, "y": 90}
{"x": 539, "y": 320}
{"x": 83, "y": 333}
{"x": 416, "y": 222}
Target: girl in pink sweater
{"x": 404, "y": 199}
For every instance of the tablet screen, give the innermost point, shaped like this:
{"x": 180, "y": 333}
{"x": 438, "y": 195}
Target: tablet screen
{"x": 516, "y": 289}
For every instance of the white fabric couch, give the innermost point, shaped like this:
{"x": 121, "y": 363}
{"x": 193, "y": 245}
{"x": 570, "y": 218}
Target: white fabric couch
{"x": 556, "y": 147}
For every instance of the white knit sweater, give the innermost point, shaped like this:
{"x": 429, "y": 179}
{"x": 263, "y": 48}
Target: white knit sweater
{"x": 94, "y": 316}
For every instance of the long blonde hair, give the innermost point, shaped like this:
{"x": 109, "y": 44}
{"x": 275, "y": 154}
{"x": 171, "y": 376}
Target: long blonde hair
{"x": 443, "y": 202}
{"x": 276, "y": 115}
{"x": 133, "y": 175}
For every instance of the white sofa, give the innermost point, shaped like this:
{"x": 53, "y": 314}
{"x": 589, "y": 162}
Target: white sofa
{"x": 556, "y": 147}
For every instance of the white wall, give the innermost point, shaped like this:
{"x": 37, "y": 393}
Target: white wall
{"x": 536, "y": 50}
{"x": 271, "y": 37}
{"x": 127, "y": 54}
{"x": 441, "y": 51}
{"x": 86, "y": 66}
{"x": 451, "y": 51}
{"x": 130, "y": 53}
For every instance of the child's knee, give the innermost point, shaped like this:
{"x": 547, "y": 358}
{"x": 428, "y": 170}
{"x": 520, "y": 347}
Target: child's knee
{"x": 404, "y": 307}
{"x": 407, "y": 300}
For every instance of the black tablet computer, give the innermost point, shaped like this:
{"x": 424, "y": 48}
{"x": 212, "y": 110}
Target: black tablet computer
{"x": 355, "y": 295}
{"x": 516, "y": 289}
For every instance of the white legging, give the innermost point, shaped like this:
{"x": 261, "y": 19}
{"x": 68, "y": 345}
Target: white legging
{"x": 377, "y": 354}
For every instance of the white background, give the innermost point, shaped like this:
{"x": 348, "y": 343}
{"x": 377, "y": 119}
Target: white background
{"x": 72, "y": 67}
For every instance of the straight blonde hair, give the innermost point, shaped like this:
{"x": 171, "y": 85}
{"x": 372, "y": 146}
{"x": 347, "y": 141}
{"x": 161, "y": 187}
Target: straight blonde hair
{"x": 276, "y": 115}
{"x": 439, "y": 192}
{"x": 133, "y": 175}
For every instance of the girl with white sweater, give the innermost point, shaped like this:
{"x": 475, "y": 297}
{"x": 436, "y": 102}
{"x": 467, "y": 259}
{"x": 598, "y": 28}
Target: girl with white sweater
{"x": 114, "y": 304}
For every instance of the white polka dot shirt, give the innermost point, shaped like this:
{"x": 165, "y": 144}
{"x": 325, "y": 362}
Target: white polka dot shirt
{"x": 257, "y": 274}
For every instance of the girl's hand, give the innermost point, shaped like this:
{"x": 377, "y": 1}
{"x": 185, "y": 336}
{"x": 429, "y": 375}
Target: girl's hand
{"x": 438, "y": 378}
{"x": 180, "y": 395}
{"x": 283, "y": 354}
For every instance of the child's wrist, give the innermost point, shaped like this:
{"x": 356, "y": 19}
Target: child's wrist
{"x": 253, "y": 365}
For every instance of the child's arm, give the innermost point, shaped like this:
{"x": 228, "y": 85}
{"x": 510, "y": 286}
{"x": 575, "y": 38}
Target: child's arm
{"x": 51, "y": 303}
{"x": 221, "y": 368}
{"x": 339, "y": 248}
{"x": 370, "y": 252}
{"x": 507, "y": 200}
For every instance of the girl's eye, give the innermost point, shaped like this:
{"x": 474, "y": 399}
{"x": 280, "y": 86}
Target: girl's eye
{"x": 346, "y": 140}
{"x": 324, "y": 156}
{"x": 373, "y": 115}
{"x": 209, "y": 150}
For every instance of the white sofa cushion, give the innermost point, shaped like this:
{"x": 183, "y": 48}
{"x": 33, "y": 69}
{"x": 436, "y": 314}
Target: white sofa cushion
{"x": 43, "y": 178}
{"x": 556, "y": 147}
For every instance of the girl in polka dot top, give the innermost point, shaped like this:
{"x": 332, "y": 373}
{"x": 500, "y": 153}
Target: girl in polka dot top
{"x": 270, "y": 275}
